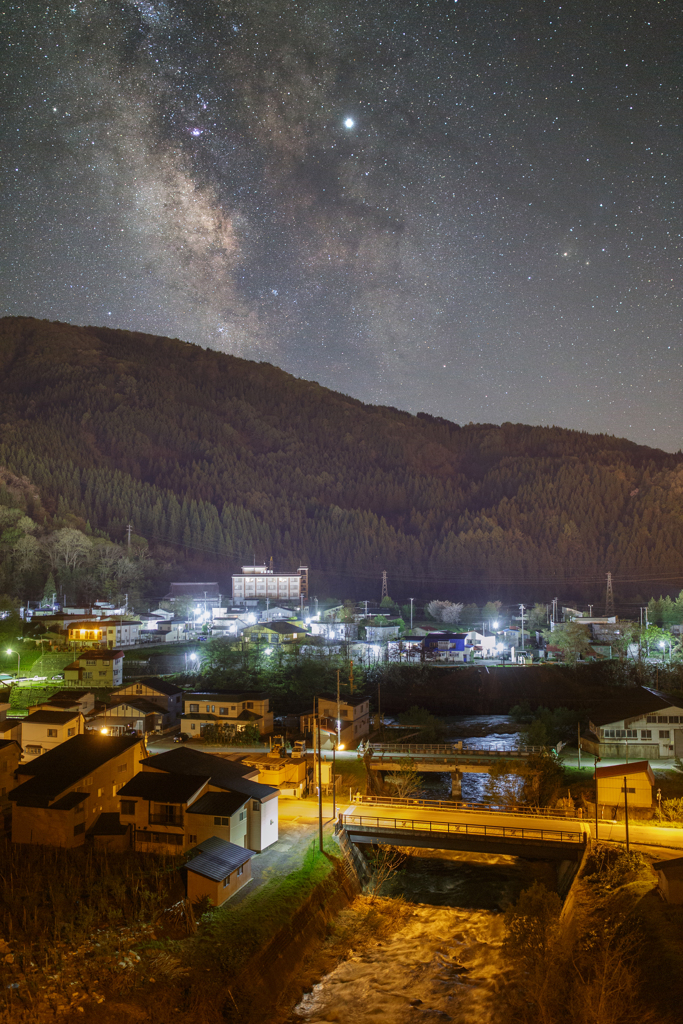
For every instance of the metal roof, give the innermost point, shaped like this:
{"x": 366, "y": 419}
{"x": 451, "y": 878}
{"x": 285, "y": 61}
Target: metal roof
{"x": 51, "y": 717}
{"x": 216, "y": 859}
{"x": 615, "y": 771}
{"x": 224, "y": 804}
{"x": 224, "y": 774}
{"x": 164, "y": 787}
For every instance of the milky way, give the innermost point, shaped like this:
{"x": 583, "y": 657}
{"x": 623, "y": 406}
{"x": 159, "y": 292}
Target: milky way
{"x": 462, "y": 208}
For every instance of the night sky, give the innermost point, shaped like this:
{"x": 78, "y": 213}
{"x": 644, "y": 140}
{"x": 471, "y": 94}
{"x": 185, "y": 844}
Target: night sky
{"x": 465, "y": 208}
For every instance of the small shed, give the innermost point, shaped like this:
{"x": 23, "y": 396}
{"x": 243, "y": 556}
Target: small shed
{"x": 217, "y": 869}
{"x": 639, "y": 782}
{"x": 670, "y": 879}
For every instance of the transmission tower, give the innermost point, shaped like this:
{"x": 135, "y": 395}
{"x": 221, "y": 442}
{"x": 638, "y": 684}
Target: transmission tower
{"x": 609, "y": 599}
{"x": 385, "y": 592}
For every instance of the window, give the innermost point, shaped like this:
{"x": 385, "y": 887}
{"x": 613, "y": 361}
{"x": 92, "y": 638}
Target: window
{"x": 192, "y": 725}
{"x": 663, "y": 734}
{"x": 194, "y": 709}
{"x": 646, "y": 734}
{"x": 221, "y": 821}
{"x": 629, "y": 789}
{"x": 138, "y": 688}
{"x": 88, "y": 781}
{"x": 632, "y": 734}
{"x": 674, "y": 719}
{"x": 91, "y": 663}
{"x": 52, "y": 732}
{"x": 240, "y": 870}
{"x": 71, "y": 732}
{"x": 33, "y": 750}
{"x": 127, "y": 807}
{"x": 243, "y": 815}
{"x": 192, "y": 839}
{"x": 662, "y": 719}
{"x": 121, "y": 768}
{"x": 222, "y": 711}
{"x": 226, "y": 881}
{"x": 255, "y": 805}
{"x": 250, "y": 704}
{"x": 233, "y": 707}
{"x": 79, "y": 829}
{"x": 651, "y": 719}
{"x": 344, "y": 713}
{"x": 100, "y": 792}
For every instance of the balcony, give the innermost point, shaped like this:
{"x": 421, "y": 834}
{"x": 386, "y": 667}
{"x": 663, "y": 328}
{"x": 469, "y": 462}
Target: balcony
{"x": 166, "y": 819}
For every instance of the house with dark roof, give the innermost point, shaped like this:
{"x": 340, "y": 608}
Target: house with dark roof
{"x": 158, "y": 691}
{"x": 134, "y": 715}
{"x": 216, "y": 870}
{"x": 67, "y": 700}
{"x": 231, "y": 709}
{"x": 43, "y": 730}
{"x": 249, "y": 812}
{"x": 62, "y": 793}
{"x": 95, "y": 668}
{"x": 275, "y": 633}
{"x": 640, "y": 723}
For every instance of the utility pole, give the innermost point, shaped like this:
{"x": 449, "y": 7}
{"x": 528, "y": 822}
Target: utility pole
{"x": 578, "y": 732}
{"x": 626, "y": 812}
{"x": 385, "y": 592}
{"x": 590, "y": 611}
{"x": 411, "y": 613}
{"x": 521, "y": 611}
{"x": 596, "y": 797}
{"x": 609, "y": 597}
{"x": 320, "y": 779}
{"x": 129, "y": 530}
{"x": 338, "y": 713}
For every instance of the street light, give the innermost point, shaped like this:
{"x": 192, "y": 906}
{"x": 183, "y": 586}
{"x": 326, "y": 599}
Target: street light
{"x": 10, "y": 651}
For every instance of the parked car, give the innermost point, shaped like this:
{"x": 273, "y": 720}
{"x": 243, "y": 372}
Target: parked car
{"x": 182, "y": 737}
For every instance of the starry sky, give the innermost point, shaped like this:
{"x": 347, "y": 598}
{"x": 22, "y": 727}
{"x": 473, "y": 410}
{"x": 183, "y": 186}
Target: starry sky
{"x": 466, "y": 208}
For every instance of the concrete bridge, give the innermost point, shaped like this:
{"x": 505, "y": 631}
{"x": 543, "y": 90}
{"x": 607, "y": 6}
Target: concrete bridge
{"x": 548, "y": 841}
{"x": 445, "y": 757}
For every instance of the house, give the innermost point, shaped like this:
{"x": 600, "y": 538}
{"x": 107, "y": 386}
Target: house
{"x": 166, "y": 695}
{"x": 452, "y": 646}
{"x": 275, "y": 633}
{"x": 216, "y": 870}
{"x": 105, "y": 633}
{"x": 641, "y": 723}
{"x": 155, "y": 805}
{"x": 225, "y": 776}
{"x": 95, "y": 668}
{"x": 277, "y": 768}
{"x": 68, "y": 700}
{"x": 62, "y": 793}
{"x": 10, "y": 755}
{"x": 10, "y": 728}
{"x": 335, "y": 630}
{"x": 638, "y": 786}
{"x": 483, "y": 643}
{"x": 380, "y": 634}
{"x": 670, "y": 879}
{"x": 260, "y": 582}
{"x": 234, "y": 709}
{"x": 133, "y": 715}
{"x": 350, "y": 726}
{"x": 43, "y": 730}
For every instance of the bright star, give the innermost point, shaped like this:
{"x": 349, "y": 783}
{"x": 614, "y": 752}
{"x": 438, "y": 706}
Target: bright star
{"x": 349, "y": 122}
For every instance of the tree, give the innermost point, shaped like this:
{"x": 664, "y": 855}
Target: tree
{"x": 491, "y": 610}
{"x": 571, "y": 638}
{"x": 532, "y": 925}
{"x": 444, "y": 611}
{"x": 538, "y": 616}
{"x": 407, "y": 781}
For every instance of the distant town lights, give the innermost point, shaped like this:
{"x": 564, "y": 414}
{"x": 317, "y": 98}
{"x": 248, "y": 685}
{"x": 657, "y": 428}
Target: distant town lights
{"x": 349, "y": 122}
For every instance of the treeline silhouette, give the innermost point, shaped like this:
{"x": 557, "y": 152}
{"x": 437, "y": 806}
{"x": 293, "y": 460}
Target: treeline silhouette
{"x": 226, "y": 459}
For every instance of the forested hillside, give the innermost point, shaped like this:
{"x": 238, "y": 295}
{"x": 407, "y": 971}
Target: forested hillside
{"x": 221, "y": 459}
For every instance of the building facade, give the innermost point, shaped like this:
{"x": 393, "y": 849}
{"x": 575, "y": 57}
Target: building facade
{"x": 95, "y": 668}
{"x": 258, "y": 582}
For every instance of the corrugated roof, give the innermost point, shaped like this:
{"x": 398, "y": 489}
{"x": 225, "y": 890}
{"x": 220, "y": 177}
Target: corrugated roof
{"x": 7, "y": 743}
{"x": 612, "y": 771}
{"x": 64, "y": 766}
{"x": 65, "y": 803}
{"x": 223, "y": 803}
{"x": 164, "y": 787}
{"x": 224, "y": 774}
{"x": 215, "y": 858}
{"x": 158, "y": 685}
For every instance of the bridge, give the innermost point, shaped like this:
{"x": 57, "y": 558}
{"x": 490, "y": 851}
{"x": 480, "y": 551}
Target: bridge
{"x": 453, "y": 758}
{"x": 548, "y": 841}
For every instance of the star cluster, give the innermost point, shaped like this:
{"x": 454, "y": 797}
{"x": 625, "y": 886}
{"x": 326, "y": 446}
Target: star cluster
{"x": 469, "y": 209}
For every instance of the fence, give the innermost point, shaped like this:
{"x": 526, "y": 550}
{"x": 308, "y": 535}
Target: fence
{"x": 461, "y": 828}
{"x": 454, "y": 749}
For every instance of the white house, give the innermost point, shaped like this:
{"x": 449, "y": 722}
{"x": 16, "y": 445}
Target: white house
{"x": 641, "y": 724}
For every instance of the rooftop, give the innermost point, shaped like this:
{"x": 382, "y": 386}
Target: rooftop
{"x": 224, "y": 774}
{"x": 215, "y": 858}
{"x": 164, "y": 787}
{"x": 51, "y": 717}
{"x": 223, "y": 804}
{"x": 153, "y": 683}
{"x": 614, "y": 771}
{"x": 64, "y": 766}
{"x": 633, "y": 704}
{"x": 234, "y": 698}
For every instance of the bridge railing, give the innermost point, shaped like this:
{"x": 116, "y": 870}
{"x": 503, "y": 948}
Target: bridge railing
{"x": 373, "y": 824}
{"x": 454, "y": 750}
{"x": 461, "y": 805}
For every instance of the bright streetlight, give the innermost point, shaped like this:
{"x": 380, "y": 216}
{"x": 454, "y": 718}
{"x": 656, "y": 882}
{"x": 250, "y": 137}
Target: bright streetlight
{"x": 10, "y": 651}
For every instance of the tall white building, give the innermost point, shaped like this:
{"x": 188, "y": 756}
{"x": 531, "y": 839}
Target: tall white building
{"x": 258, "y": 582}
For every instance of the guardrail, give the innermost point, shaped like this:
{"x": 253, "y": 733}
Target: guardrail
{"x": 460, "y": 805}
{"x": 460, "y": 828}
{"x": 453, "y": 750}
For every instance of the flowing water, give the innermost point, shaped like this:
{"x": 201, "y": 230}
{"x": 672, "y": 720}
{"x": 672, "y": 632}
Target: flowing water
{"x": 443, "y": 961}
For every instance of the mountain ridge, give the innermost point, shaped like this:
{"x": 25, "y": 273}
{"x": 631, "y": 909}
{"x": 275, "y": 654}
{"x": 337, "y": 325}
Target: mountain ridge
{"x": 112, "y": 425}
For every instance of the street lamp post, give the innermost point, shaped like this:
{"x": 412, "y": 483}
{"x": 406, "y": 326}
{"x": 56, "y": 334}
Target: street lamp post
{"x": 596, "y": 797}
{"x": 10, "y": 651}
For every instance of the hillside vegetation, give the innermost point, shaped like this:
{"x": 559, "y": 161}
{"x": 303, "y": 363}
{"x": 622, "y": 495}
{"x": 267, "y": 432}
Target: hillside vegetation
{"x": 223, "y": 459}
